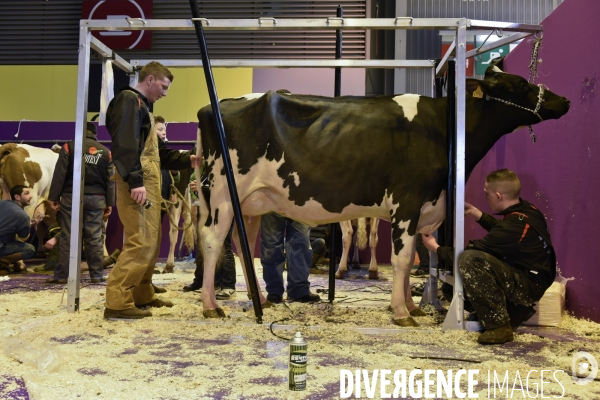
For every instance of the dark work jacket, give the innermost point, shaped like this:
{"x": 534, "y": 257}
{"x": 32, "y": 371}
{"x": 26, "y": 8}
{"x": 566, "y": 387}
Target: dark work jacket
{"x": 128, "y": 122}
{"x": 521, "y": 239}
{"x": 98, "y": 171}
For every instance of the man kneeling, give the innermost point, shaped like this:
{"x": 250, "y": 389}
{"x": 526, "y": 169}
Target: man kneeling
{"x": 14, "y": 229}
{"x": 511, "y": 267}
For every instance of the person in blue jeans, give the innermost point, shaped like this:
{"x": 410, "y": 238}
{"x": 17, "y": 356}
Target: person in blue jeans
{"x": 276, "y": 232}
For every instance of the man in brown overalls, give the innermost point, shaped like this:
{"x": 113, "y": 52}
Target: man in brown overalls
{"x": 138, "y": 157}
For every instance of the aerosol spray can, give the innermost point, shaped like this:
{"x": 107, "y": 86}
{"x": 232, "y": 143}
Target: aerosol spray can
{"x": 297, "y": 367}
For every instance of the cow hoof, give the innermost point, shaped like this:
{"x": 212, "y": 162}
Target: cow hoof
{"x": 340, "y": 275}
{"x": 405, "y": 322}
{"x": 267, "y": 304}
{"x": 417, "y": 312}
{"x": 169, "y": 269}
{"x": 216, "y": 313}
{"x": 373, "y": 275}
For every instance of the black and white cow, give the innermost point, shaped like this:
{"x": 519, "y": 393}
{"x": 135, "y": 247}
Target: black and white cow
{"x": 304, "y": 157}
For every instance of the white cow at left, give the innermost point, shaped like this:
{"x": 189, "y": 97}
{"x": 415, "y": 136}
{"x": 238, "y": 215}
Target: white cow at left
{"x": 22, "y": 164}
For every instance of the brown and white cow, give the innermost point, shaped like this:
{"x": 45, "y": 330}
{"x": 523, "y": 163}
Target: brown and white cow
{"x": 22, "y": 164}
{"x": 304, "y": 157}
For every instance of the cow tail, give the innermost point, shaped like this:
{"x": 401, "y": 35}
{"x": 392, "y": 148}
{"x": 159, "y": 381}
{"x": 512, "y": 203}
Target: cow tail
{"x": 189, "y": 234}
{"x": 361, "y": 233}
{"x": 204, "y": 209}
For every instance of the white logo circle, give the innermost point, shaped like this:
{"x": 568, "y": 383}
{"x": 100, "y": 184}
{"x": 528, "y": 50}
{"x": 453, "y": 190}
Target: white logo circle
{"x": 580, "y": 368}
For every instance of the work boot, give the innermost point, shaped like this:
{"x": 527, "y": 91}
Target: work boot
{"x": 420, "y": 272}
{"x": 499, "y": 335}
{"x": 11, "y": 258}
{"x": 157, "y": 303}
{"x": 128, "y": 313}
{"x": 309, "y": 298}
{"x": 159, "y": 289}
{"x": 49, "y": 266}
{"x": 518, "y": 314}
{"x": 110, "y": 260}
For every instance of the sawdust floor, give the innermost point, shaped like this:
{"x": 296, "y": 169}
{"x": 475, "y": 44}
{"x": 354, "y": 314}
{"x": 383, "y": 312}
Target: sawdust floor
{"x": 177, "y": 354}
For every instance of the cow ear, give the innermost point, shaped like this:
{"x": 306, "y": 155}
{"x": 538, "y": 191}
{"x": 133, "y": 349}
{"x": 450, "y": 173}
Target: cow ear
{"x": 474, "y": 88}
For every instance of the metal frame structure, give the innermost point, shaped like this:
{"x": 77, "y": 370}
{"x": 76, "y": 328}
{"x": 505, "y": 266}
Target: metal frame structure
{"x": 87, "y": 43}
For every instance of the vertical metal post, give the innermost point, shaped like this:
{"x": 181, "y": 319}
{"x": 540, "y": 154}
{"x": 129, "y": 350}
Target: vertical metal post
{"x": 455, "y": 317}
{"x": 83, "y": 74}
{"x": 235, "y": 201}
{"x": 332, "y": 227}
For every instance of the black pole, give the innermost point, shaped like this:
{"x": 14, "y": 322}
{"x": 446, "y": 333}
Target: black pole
{"x": 337, "y": 91}
{"x": 451, "y": 134}
{"x": 239, "y": 220}
{"x": 439, "y": 92}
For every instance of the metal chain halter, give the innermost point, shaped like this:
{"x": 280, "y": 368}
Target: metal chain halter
{"x": 535, "y": 111}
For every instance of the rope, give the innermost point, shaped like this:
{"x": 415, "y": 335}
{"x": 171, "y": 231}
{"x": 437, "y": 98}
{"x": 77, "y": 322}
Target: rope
{"x": 165, "y": 204}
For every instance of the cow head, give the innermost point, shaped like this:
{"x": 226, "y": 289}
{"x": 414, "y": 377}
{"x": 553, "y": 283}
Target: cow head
{"x": 515, "y": 91}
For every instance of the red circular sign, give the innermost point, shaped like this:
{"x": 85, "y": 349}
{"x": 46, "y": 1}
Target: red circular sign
{"x": 120, "y": 9}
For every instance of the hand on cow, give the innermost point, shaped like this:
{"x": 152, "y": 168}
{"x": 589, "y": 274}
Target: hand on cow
{"x": 55, "y": 205}
{"x": 193, "y": 186}
{"x": 472, "y": 211}
{"x": 430, "y": 242}
{"x": 107, "y": 211}
{"x": 138, "y": 195}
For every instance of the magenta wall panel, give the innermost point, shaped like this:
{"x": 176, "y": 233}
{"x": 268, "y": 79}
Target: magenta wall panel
{"x": 560, "y": 173}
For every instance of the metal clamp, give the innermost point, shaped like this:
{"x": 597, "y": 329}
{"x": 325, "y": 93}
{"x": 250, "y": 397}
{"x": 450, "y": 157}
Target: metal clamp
{"x": 499, "y": 33}
{"x": 267, "y": 18}
{"x": 202, "y": 20}
{"x": 409, "y": 22}
{"x": 130, "y": 21}
{"x": 334, "y": 19}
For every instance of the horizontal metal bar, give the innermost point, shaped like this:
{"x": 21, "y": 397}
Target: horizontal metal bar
{"x": 498, "y": 43}
{"x": 443, "y": 65}
{"x": 294, "y": 63}
{"x": 276, "y": 24}
{"x": 104, "y": 51}
{"x": 505, "y": 26}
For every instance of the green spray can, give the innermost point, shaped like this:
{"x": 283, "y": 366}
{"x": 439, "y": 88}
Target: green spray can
{"x": 297, "y": 367}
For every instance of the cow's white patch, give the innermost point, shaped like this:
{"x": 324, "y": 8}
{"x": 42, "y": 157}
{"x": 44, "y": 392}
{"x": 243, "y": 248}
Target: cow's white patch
{"x": 496, "y": 69}
{"x": 408, "y": 102}
{"x": 250, "y": 96}
{"x": 296, "y": 178}
{"x": 432, "y": 215}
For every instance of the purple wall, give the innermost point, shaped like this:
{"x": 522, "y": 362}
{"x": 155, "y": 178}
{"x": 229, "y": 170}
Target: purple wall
{"x": 318, "y": 81}
{"x": 560, "y": 172}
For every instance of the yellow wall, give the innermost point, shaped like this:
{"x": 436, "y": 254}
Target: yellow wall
{"x": 48, "y": 92}
{"x": 40, "y": 93}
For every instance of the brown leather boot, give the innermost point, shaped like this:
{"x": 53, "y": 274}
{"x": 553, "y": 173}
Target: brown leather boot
{"x": 11, "y": 258}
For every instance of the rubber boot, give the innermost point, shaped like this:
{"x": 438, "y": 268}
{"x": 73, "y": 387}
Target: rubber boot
{"x": 499, "y": 335}
{"x": 110, "y": 260}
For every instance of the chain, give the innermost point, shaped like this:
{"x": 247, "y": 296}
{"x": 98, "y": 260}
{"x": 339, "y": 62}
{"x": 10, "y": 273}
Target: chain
{"x": 536, "y": 111}
{"x": 533, "y": 64}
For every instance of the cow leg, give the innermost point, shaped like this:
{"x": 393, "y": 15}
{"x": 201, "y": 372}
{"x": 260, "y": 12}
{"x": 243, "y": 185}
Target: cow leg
{"x": 211, "y": 241}
{"x": 347, "y": 242}
{"x": 373, "y": 239}
{"x": 355, "y": 258}
{"x": 252, "y": 225}
{"x": 174, "y": 214}
{"x": 402, "y": 255}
